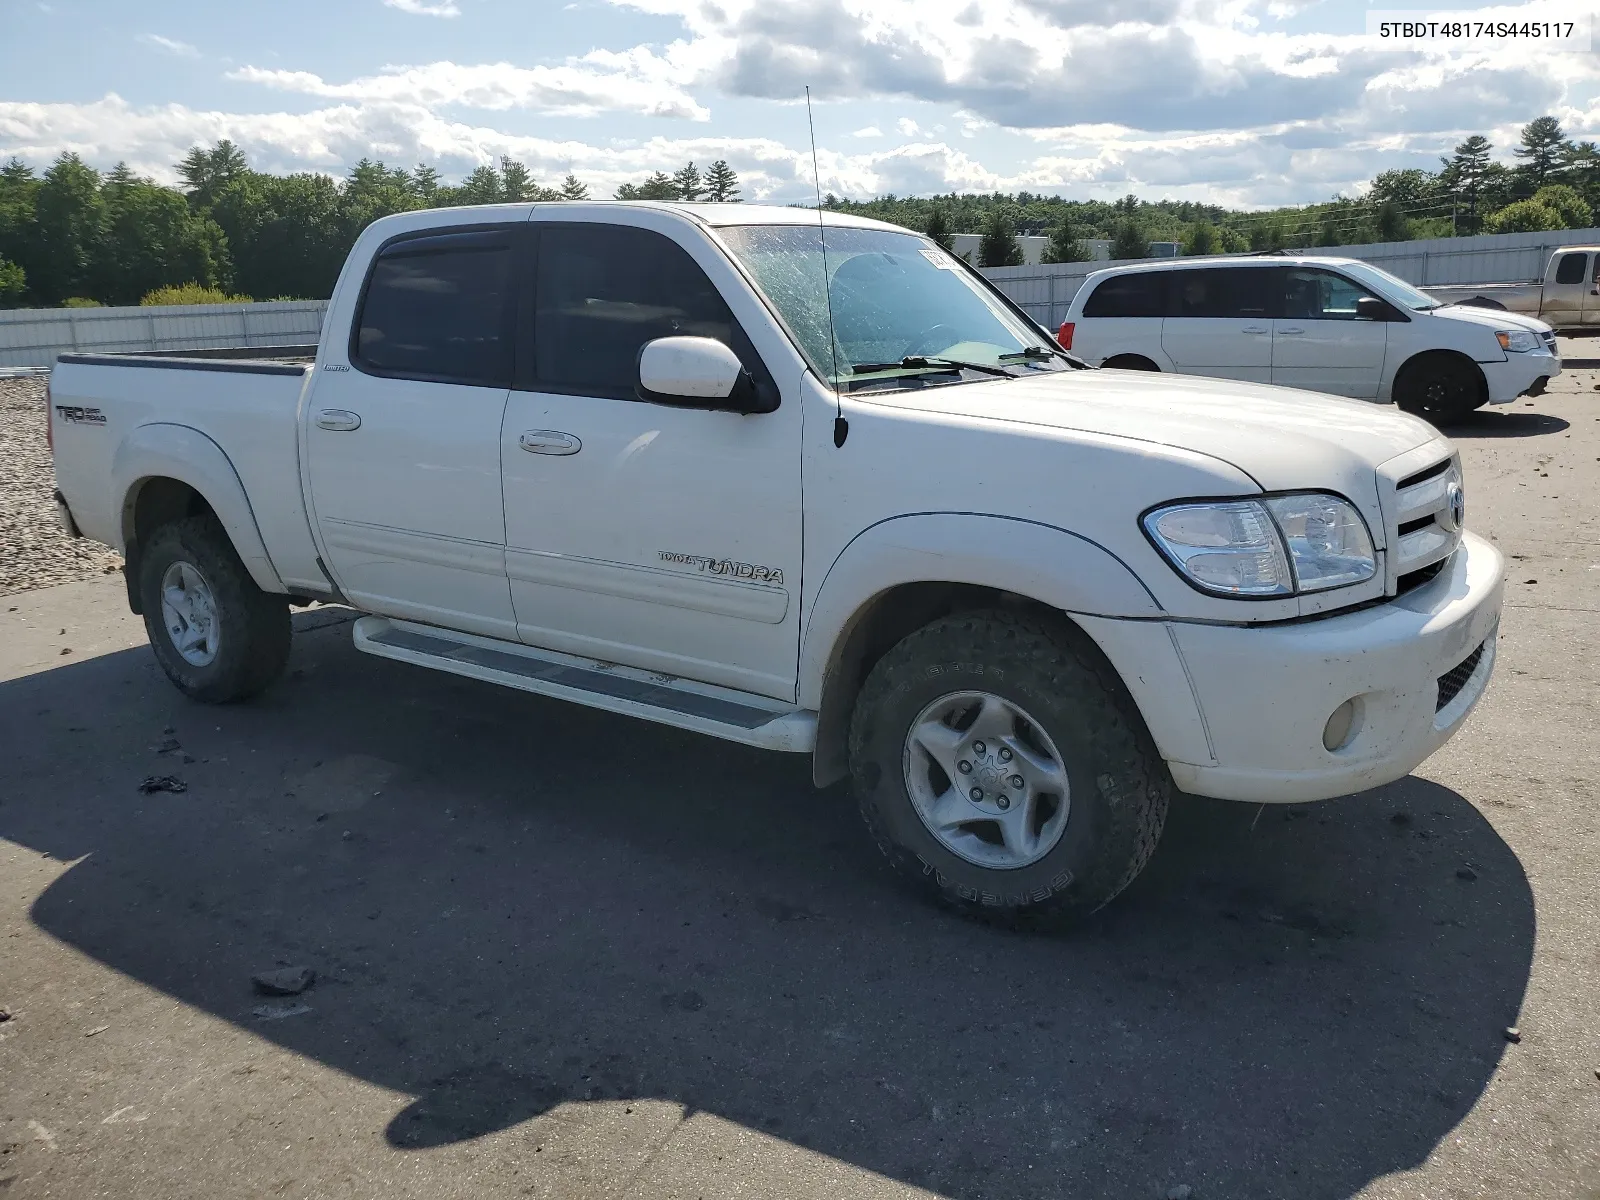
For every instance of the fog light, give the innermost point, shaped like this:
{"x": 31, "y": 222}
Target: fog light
{"x": 1336, "y": 733}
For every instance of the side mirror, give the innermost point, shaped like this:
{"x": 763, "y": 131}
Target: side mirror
{"x": 695, "y": 372}
{"x": 1370, "y": 308}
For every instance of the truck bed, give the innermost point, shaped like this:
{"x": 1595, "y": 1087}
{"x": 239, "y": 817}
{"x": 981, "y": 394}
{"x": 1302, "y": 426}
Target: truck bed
{"x": 115, "y": 416}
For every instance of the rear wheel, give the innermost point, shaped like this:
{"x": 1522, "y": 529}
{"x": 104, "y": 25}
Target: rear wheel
{"x": 216, "y": 634}
{"x": 1002, "y": 774}
{"x": 1440, "y": 387}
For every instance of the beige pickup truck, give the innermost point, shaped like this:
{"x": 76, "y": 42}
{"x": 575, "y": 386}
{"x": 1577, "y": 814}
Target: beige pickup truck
{"x": 1567, "y": 298}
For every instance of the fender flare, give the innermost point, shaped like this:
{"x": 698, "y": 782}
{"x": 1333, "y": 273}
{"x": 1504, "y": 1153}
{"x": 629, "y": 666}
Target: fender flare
{"x": 1065, "y": 570}
{"x": 163, "y": 450}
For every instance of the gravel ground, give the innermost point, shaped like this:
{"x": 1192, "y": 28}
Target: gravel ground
{"x": 34, "y": 553}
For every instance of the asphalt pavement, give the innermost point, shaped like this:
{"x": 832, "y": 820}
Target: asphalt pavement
{"x": 561, "y": 953}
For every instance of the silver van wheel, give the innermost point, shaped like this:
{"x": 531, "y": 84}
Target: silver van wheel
{"x": 986, "y": 780}
{"x": 189, "y": 614}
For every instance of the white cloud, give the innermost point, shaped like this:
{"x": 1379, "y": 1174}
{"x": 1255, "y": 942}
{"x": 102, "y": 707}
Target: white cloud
{"x": 907, "y": 127}
{"x": 871, "y": 131}
{"x": 170, "y": 45}
{"x": 446, "y": 8}
{"x": 596, "y": 83}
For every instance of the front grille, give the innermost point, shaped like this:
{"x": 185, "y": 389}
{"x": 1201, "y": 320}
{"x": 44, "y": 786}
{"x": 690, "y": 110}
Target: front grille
{"x": 1421, "y": 538}
{"x": 1453, "y": 680}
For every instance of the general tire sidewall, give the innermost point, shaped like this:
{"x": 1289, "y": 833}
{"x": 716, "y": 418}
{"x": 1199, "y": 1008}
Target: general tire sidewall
{"x": 179, "y": 543}
{"x": 1079, "y": 736}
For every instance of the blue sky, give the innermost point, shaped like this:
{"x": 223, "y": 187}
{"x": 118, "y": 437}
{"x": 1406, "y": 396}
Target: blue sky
{"x": 1243, "y": 102}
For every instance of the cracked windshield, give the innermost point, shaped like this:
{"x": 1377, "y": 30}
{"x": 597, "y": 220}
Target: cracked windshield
{"x": 902, "y": 307}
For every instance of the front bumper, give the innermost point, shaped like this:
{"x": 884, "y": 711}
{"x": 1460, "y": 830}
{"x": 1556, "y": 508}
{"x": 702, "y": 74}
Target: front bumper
{"x": 1519, "y": 375}
{"x": 1241, "y": 713}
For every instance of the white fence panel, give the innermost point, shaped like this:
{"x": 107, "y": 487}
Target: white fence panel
{"x": 1046, "y": 291}
{"x": 32, "y": 337}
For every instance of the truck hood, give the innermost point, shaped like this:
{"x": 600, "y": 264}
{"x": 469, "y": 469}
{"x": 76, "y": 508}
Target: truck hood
{"x": 1283, "y": 438}
{"x": 1494, "y": 318}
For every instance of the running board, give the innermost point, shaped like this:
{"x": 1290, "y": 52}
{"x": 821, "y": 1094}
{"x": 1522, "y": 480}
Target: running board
{"x": 720, "y": 712}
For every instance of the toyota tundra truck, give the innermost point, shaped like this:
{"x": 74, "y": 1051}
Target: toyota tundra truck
{"x": 810, "y": 484}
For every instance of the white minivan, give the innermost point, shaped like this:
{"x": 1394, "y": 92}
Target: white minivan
{"x": 1336, "y": 325}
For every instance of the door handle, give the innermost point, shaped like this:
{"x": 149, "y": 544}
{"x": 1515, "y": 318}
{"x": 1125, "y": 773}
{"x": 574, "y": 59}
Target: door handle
{"x": 548, "y": 441}
{"x": 338, "y": 419}
{"x": 1293, "y": 330}
{"x": 1253, "y": 329}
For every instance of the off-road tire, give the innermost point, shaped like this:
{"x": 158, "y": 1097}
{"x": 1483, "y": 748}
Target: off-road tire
{"x": 253, "y": 646}
{"x": 1440, "y": 387}
{"x": 1120, "y": 787}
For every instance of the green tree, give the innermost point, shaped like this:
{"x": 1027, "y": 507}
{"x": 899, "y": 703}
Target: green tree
{"x": 13, "y": 284}
{"x": 658, "y": 187}
{"x": 999, "y": 246}
{"x": 1202, "y": 239}
{"x": 483, "y": 186}
{"x": 1525, "y": 216}
{"x": 189, "y": 293}
{"x": 70, "y": 212}
{"x": 1543, "y": 146}
{"x": 151, "y": 237}
{"x": 722, "y": 183}
{"x": 938, "y": 228}
{"x": 1390, "y": 223}
{"x": 1573, "y": 208}
{"x": 1129, "y": 240}
{"x": 286, "y": 234}
{"x": 1065, "y": 246}
{"x": 206, "y": 172}
{"x": 688, "y": 182}
{"x": 572, "y": 189}
{"x": 425, "y": 184}
{"x": 516, "y": 182}
{"x": 1412, "y": 188}
{"x": 1463, "y": 178}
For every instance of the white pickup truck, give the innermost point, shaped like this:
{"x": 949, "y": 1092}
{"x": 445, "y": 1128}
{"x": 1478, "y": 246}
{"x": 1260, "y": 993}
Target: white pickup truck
{"x": 637, "y": 456}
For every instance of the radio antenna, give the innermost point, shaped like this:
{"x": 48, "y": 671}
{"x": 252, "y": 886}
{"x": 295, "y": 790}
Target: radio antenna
{"x": 841, "y": 427}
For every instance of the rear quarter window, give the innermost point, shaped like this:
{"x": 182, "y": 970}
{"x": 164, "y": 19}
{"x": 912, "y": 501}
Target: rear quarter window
{"x": 1142, "y": 294}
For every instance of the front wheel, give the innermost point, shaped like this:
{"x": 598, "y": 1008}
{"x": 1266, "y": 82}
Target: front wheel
{"x": 216, "y": 634}
{"x": 1441, "y": 387}
{"x": 1002, "y": 773}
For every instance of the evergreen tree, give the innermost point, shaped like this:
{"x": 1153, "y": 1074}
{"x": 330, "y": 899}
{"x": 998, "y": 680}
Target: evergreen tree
{"x": 1202, "y": 239}
{"x": 1463, "y": 177}
{"x": 1541, "y": 151}
{"x": 572, "y": 189}
{"x": 206, "y": 172}
{"x": 1065, "y": 245}
{"x": 1128, "y": 240}
{"x": 688, "y": 182}
{"x": 938, "y": 228}
{"x": 658, "y": 187}
{"x": 425, "y": 183}
{"x": 722, "y": 184}
{"x": 483, "y": 186}
{"x": 999, "y": 246}
{"x": 516, "y": 183}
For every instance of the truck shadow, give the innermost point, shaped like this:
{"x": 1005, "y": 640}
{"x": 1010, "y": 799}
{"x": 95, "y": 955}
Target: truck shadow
{"x": 516, "y": 904}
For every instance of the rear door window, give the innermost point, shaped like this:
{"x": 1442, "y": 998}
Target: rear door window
{"x": 1237, "y": 292}
{"x": 439, "y": 308}
{"x": 1137, "y": 294}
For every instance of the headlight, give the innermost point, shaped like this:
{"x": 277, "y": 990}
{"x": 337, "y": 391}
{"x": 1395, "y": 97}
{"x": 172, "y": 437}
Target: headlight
{"x": 1518, "y": 341}
{"x": 1271, "y": 547}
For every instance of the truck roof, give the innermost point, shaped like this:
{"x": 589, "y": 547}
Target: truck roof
{"x": 705, "y": 213}
{"x": 1228, "y": 260}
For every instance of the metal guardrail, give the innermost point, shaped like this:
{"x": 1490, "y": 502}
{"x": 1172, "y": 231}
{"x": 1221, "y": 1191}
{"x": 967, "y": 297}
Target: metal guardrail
{"x": 33, "y": 337}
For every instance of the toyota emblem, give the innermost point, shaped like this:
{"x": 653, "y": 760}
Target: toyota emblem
{"x": 1455, "y": 509}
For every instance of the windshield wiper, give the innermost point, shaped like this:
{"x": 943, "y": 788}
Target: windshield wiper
{"x": 1028, "y": 354}
{"x": 919, "y": 362}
